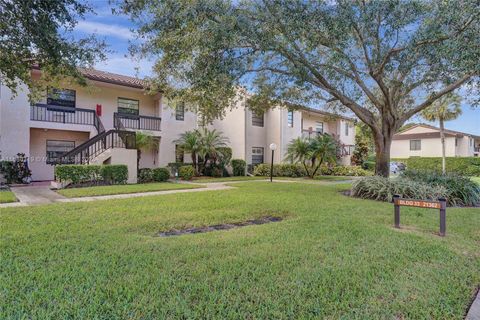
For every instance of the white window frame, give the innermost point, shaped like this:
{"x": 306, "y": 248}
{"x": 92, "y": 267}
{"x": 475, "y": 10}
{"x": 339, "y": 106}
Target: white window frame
{"x": 413, "y": 147}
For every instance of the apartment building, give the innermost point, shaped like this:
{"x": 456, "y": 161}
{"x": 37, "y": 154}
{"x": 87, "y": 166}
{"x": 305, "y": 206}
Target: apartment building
{"x": 251, "y": 134}
{"x": 97, "y": 124}
{"x": 423, "y": 140}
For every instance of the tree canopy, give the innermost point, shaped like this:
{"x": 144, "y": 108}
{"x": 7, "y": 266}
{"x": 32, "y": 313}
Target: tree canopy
{"x": 385, "y": 60}
{"x": 38, "y": 33}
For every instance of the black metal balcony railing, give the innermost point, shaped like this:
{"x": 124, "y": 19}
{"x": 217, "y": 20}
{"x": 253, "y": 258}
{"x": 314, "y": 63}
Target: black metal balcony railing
{"x": 60, "y": 114}
{"x": 87, "y": 151}
{"x": 476, "y": 149}
{"x": 132, "y": 121}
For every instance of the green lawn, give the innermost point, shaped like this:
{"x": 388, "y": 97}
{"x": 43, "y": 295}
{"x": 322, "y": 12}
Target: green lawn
{"x": 124, "y": 188}
{"x": 334, "y": 178}
{"x": 332, "y": 257}
{"x": 7, "y": 196}
{"x": 476, "y": 179}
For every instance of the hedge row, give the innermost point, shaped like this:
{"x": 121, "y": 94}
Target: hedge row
{"x": 77, "y": 174}
{"x": 153, "y": 175}
{"x": 297, "y": 170}
{"x": 469, "y": 166}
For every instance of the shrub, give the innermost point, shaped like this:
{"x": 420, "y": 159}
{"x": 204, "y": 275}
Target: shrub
{"x": 145, "y": 175}
{"x": 174, "y": 166}
{"x": 114, "y": 173}
{"x": 280, "y": 170}
{"x": 78, "y": 173}
{"x": 344, "y": 171}
{"x": 461, "y": 191}
{"x": 383, "y": 189}
{"x": 368, "y": 165}
{"x": 16, "y": 171}
{"x": 161, "y": 174}
{"x": 460, "y": 165}
{"x": 186, "y": 172}
{"x": 238, "y": 166}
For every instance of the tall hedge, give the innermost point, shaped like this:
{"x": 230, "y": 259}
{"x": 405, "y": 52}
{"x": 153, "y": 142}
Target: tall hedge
{"x": 462, "y": 165}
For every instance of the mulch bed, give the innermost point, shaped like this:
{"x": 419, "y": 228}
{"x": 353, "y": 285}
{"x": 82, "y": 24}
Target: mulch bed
{"x": 216, "y": 227}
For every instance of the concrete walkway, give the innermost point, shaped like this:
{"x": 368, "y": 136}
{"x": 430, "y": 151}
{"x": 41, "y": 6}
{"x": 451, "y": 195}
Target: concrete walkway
{"x": 474, "y": 312}
{"x": 31, "y": 195}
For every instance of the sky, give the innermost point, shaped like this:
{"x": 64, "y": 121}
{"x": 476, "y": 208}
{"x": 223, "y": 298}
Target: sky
{"x": 116, "y": 32}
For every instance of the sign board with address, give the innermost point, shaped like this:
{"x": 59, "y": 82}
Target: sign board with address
{"x": 441, "y": 205}
{"x": 418, "y": 203}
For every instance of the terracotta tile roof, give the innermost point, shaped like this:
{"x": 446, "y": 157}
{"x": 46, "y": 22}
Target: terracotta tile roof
{"x": 114, "y": 78}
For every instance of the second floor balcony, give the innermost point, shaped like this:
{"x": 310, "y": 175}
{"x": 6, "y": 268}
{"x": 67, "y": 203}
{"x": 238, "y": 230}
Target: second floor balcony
{"x": 137, "y": 122}
{"x": 67, "y": 115}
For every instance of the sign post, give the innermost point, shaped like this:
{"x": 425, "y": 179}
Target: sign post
{"x": 441, "y": 204}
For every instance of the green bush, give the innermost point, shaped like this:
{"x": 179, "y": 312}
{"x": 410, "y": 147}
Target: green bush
{"x": 15, "y": 171}
{"x": 78, "y": 174}
{"x": 460, "y": 165}
{"x": 344, "y": 171}
{"x": 174, "y": 166}
{"x": 280, "y": 170}
{"x": 383, "y": 189}
{"x": 161, "y": 174}
{"x": 145, "y": 175}
{"x": 461, "y": 191}
{"x": 114, "y": 173}
{"x": 186, "y": 172}
{"x": 368, "y": 165}
{"x": 238, "y": 166}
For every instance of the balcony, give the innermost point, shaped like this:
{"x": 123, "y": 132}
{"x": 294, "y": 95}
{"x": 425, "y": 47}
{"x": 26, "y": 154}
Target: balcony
{"x": 60, "y": 114}
{"x": 310, "y": 134}
{"x": 133, "y": 121}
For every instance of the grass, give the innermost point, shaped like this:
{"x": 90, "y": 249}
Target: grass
{"x": 476, "y": 179}
{"x": 125, "y": 188}
{"x": 7, "y": 196}
{"x": 334, "y": 178}
{"x": 332, "y": 257}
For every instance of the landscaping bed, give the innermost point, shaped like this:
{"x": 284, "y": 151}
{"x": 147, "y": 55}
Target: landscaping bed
{"x": 333, "y": 257}
{"x": 122, "y": 189}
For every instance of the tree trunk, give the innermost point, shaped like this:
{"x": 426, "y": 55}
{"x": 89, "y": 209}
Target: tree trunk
{"x": 382, "y": 155}
{"x": 442, "y": 138}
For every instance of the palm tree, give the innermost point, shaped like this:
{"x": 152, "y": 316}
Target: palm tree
{"x": 190, "y": 142}
{"x": 298, "y": 151}
{"x": 316, "y": 151}
{"x": 144, "y": 141}
{"x": 444, "y": 109}
{"x": 212, "y": 141}
{"x": 324, "y": 150}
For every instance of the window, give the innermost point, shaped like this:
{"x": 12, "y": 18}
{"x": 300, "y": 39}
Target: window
{"x": 127, "y": 106}
{"x": 290, "y": 118}
{"x": 319, "y": 127}
{"x": 61, "y": 97}
{"x": 179, "y": 154}
{"x": 257, "y": 155}
{"x": 56, "y": 148}
{"x": 257, "y": 119}
{"x": 180, "y": 111}
{"x": 346, "y": 128}
{"x": 415, "y": 145}
{"x": 456, "y": 142}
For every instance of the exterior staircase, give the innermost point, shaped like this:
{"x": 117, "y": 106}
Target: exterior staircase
{"x": 98, "y": 149}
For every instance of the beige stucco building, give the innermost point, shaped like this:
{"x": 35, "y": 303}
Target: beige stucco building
{"x": 86, "y": 123}
{"x": 423, "y": 140}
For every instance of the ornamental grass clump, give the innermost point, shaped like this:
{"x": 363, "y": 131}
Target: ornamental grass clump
{"x": 383, "y": 189}
{"x": 461, "y": 191}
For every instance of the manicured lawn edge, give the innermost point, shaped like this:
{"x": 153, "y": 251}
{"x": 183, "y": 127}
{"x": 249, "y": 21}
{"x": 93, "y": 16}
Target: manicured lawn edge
{"x": 7, "y": 197}
{"x": 124, "y": 189}
{"x": 228, "y": 179}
